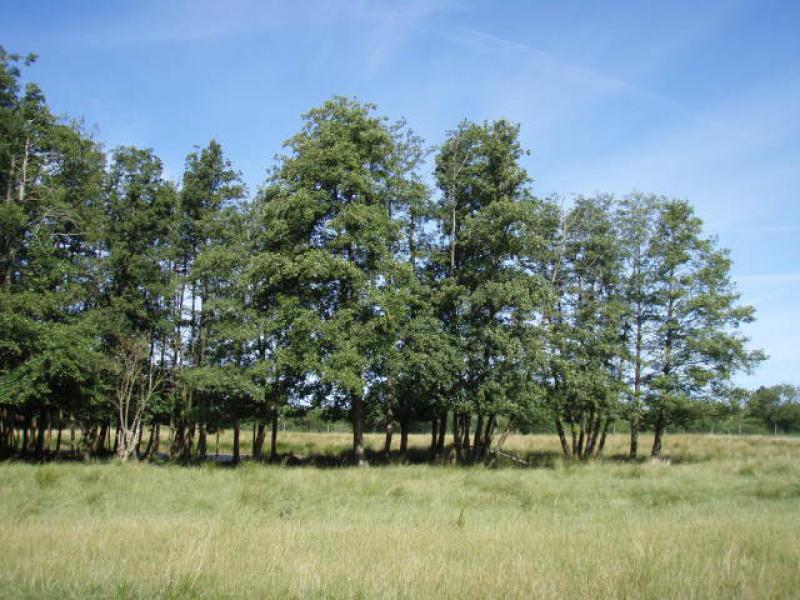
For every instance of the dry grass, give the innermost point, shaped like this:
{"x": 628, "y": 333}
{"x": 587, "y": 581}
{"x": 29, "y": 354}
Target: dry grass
{"x": 720, "y": 520}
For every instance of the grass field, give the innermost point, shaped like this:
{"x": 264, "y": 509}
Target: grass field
{"x": 721, "y": 519}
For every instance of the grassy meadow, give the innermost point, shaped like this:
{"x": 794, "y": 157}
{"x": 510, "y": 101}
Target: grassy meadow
{"x": 719, "y": 519}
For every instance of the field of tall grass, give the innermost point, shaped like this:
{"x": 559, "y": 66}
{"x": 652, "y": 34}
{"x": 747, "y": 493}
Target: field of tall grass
{"x": 719, "y": 519}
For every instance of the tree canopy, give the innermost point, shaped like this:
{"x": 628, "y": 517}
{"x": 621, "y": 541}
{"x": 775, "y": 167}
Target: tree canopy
{"x": 352, "y": 281}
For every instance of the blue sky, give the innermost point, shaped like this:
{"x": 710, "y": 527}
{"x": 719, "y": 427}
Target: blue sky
{"x": 697, "y": 100}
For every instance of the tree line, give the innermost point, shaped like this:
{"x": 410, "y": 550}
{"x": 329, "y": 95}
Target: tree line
{"x": 351, "y": 280}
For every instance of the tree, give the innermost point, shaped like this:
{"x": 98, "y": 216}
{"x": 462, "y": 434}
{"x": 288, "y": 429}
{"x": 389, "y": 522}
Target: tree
{"x": 332, "y": 228}
{"x": 696, "y": 340}
{"x": 137, "y": 291}
{"x": 490, "y": 287}
{"x": 584, "y": 327}
{"x": 778, "y": 406}
{"x": 51, "y": 182}
{"x": 209, "y": 202}
{"x": 636, "y": 217}
{"x": 137, "y": 384}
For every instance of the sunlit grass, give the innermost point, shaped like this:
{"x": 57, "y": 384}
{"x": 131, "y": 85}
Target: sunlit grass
{"x": 721, "y": 519}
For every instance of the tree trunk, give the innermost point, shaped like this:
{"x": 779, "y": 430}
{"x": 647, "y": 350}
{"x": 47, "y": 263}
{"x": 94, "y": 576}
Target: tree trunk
{"x": 387, "y": 442}
{"x": 488, "y": 433}
{"x": 3, "y": 432}
{"x": 562, "y": 438}
{"x": 574, "y": 439}
{"x": 258, "y": 440}
{"x": 117, "y": 434}
{"x": 581, "y": 439}
{"x": 40, "y": 438}
{"x": 403, "y": 438}
{"x": 157, "y": 442}
{"x": 602, "y": 443}
{"x": 434, "y": 436}
{"x": 236, "y": 456}
{"x": 89, "y": 437}
{"x": 442, "y": 432}
{"x": 659, "y": 434}
{"x": 149, "y": 448}
{"x": 476, "y": 440}
{"x": 597, "y": 423}
{"x": 457, "y": 436}
{"x": 359, "y": 455}
{"x": 634, "y": 447}
{"x": 491, "y": 459}
{"x": 188, "y": 441}
{"x": 467, "y": 426}
{"x": 26, "y": 433}
{"x": 202, "y": 440}
{"x": 273, "y": 438}
{"x": 127, "y": 440}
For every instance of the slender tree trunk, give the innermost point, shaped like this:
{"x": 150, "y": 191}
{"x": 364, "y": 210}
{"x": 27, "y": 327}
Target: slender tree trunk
{"x": 597, "y": 423}
{"x": 10, "y": 180}
{"x": 389, "y": 429}
{"x": 148, "y": 450}
{"x": 359, "y": 455}
{"x": 260, "y": 436}
{"x": 202, "y": 440}
{"x": 236, "y": 456}
{"x": 476, "y": 439}
{"x": 89, "y": 437}
{"x": 634, "y": 447}
{"x": 157, "y": 442}
{"x": 457, "y": 436}
{"x": 403, "y": 438}
{"x": 602, "y": 443}
{"x": 661, "y": 419}
{"x": 3, "y": 432}
{"x": 434, "y": 436}
{"x": 659, "y": 434}
{"x": 273, "y": 438}
{"x": 26, "y": 433}
{"x": 33, "y": 436}
{"x": 491, "y": 459}
{"x": 177, "y": 438}
{"x": 488, "y": 433}
{"x": 117, "y": 434}
{"x": 442, "y": 432}
{"x": 23, "y": 178}
{"x": 563, "y": 438}
{"x": 188, "y": 441}
{"x": 40, "y": 438}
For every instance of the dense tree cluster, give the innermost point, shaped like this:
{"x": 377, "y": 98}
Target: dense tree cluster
{"x": 131, "y": 303}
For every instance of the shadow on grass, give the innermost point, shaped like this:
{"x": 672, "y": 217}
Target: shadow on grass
{"x": 339, "y": 458}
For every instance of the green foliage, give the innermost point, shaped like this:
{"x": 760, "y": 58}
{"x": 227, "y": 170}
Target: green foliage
{"x": 347, "y": 284}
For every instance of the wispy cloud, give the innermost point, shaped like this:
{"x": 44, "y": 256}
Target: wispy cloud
{"x": 197, "y": 20}
{"x": 542, "y": 65}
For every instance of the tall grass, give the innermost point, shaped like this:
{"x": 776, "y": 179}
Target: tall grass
{"x": 721, "y": 520}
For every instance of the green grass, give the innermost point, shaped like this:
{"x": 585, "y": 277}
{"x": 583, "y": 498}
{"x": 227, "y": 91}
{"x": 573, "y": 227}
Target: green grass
{"x": 720, "y": 520}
